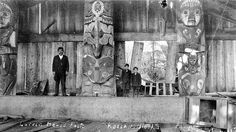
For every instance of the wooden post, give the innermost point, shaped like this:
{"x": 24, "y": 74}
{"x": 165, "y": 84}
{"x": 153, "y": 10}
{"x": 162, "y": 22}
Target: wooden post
{"x": 211, "y": 85}
{"x": 8, "y": 39}
{"x": 79, "y": 62}
{"x": 98, "y": 49}
{"x": 220, "y": 67}
{"x": 137, "y": 54}
{"x": 191, "y": 38}
{"x": 157, "y": 88}
{"x": 150, "y": 89}
{"x": 171, "y": 88}
{"x": 164, "y": 88}
{"x": 171, "y": 66}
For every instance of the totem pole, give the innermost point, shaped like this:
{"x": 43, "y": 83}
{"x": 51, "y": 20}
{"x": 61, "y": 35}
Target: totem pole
{"x": 98, "y": 49}
{"x": 191, "y": 38}
{"x": 8, "y": 31}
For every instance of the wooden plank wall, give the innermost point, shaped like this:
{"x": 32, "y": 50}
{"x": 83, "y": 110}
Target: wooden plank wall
{"x": 34, "y": 64}
{"x": 141, "y": 16}
{"x": 130, "y": 16}
{"x": 221, "y": 66}
{"x": 68, "y": 17}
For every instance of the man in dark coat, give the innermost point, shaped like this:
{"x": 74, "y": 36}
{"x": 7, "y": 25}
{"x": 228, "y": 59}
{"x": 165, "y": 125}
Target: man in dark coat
{"x": 125, "y": 77}
{"x": 60, "y": 68}
{"x": 135, "y": 81}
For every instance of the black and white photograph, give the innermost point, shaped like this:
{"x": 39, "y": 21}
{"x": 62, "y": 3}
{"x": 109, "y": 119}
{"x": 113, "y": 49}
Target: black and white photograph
{"x": 117, "y": 65}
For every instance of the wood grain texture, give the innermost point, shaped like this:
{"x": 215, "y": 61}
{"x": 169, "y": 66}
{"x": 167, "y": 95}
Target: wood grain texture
{"x": 220, "y": 67}
{"x": 171, "y": 64}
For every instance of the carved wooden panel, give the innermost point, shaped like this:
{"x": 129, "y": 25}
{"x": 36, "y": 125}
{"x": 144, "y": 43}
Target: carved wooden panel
{"x": 190, "y": 23}
{"x": 8, "y": 23}
{"x": 98, "y": 48}
{"x": 192, "y": 74}
{"x": 191, "y": 38}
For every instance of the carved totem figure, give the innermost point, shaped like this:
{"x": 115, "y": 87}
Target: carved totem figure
{"x": 8, "y": 24}
{"x": 192, "y": 74}
{"x": 190, "y": 36}
{"x": 190, "y": 24}
{"x": 98, "y": 49}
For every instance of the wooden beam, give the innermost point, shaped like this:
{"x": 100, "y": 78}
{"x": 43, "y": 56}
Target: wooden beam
{"x": 228, "y": 94}
{"x": 132, "y": 36}
{"x": 26, "y": 38}
{"x": 221, "y": 36}
{"x": 127, "y": 36}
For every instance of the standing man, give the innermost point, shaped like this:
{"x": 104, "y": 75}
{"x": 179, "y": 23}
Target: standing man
{"x": 60, "y": 68}
{"x": 125, "y": 77}
{"x": 135, "y": 81}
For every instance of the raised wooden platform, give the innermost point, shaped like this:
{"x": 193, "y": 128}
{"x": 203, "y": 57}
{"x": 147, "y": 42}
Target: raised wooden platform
{"x": 171, "y": 109}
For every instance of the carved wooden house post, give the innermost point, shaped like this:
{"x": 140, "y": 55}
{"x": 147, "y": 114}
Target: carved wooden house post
{"x": 98, "y": 49}
{"x": 191, "y": 38}
{"x": 8, "y": 32}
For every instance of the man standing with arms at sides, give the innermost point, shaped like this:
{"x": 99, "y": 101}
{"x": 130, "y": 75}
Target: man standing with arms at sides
{"x": 125, "y": 77}
{"x": 60, "y": 68}
{"x": 135, "y": 81}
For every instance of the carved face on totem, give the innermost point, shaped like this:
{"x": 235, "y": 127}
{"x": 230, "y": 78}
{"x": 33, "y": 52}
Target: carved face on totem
{"x": 192, "y": 74}
{"x": 192, "y": 59}
{"x": 5, "y": 15}
{"x": 190, "y": 25}
{"x": 99, "y": 70}
{"x": 190, "y": 12}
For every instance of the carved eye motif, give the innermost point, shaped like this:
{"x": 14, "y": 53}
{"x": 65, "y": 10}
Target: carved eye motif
{"x": 105, "y": 74}
{"x": 200, "y": 83}
{"x": 197, "y": 12}
{"x": 90, "y": 72}
{"x": 186, "y": 83}
{"x": 185, "y": 12}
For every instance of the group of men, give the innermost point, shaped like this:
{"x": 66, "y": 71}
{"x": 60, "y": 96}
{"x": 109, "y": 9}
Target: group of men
{"x": 130, "y": 81}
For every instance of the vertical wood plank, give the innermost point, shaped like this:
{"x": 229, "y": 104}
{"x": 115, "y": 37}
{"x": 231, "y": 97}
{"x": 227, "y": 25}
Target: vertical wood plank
{"x": 58, "y": 17}
{"x": 211, "y": 67}
{"x": 70, "y": 79}
{"x": 171, "y": 66}
{"x": 137, "y": 54}
{"x": 128, "y": 21}
{"x": 52, "y": 16}
{"x": 194, "y": 110}
{"x": 228, "y": 66}
{"x": 120, "y": 53}
{"x": 72, "y": 13}
{"x": 31, "y": 71}
{"x": 44, "y": 16}
{"x": 79, "y": 19}
{"x": 230, "y": 117}
{"x": 171, "y": 88}
{"x": 79, "y": 54}
{"x": 157, "y": 88}
{"x": 220, "y": 67}
{"x": 234, "y": 64}
{"x": 67, "y": 17}
{"x": 221, "y": 113}
{"x": 48, "y": 65}
{"x": 164, "y": 88}
{"x": 20, "y": 67}
{"x": 40, "y": 64}
{"x": 150, "y": 89}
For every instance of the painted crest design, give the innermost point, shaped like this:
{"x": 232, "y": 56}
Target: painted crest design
{"x": 98, "y": 48}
